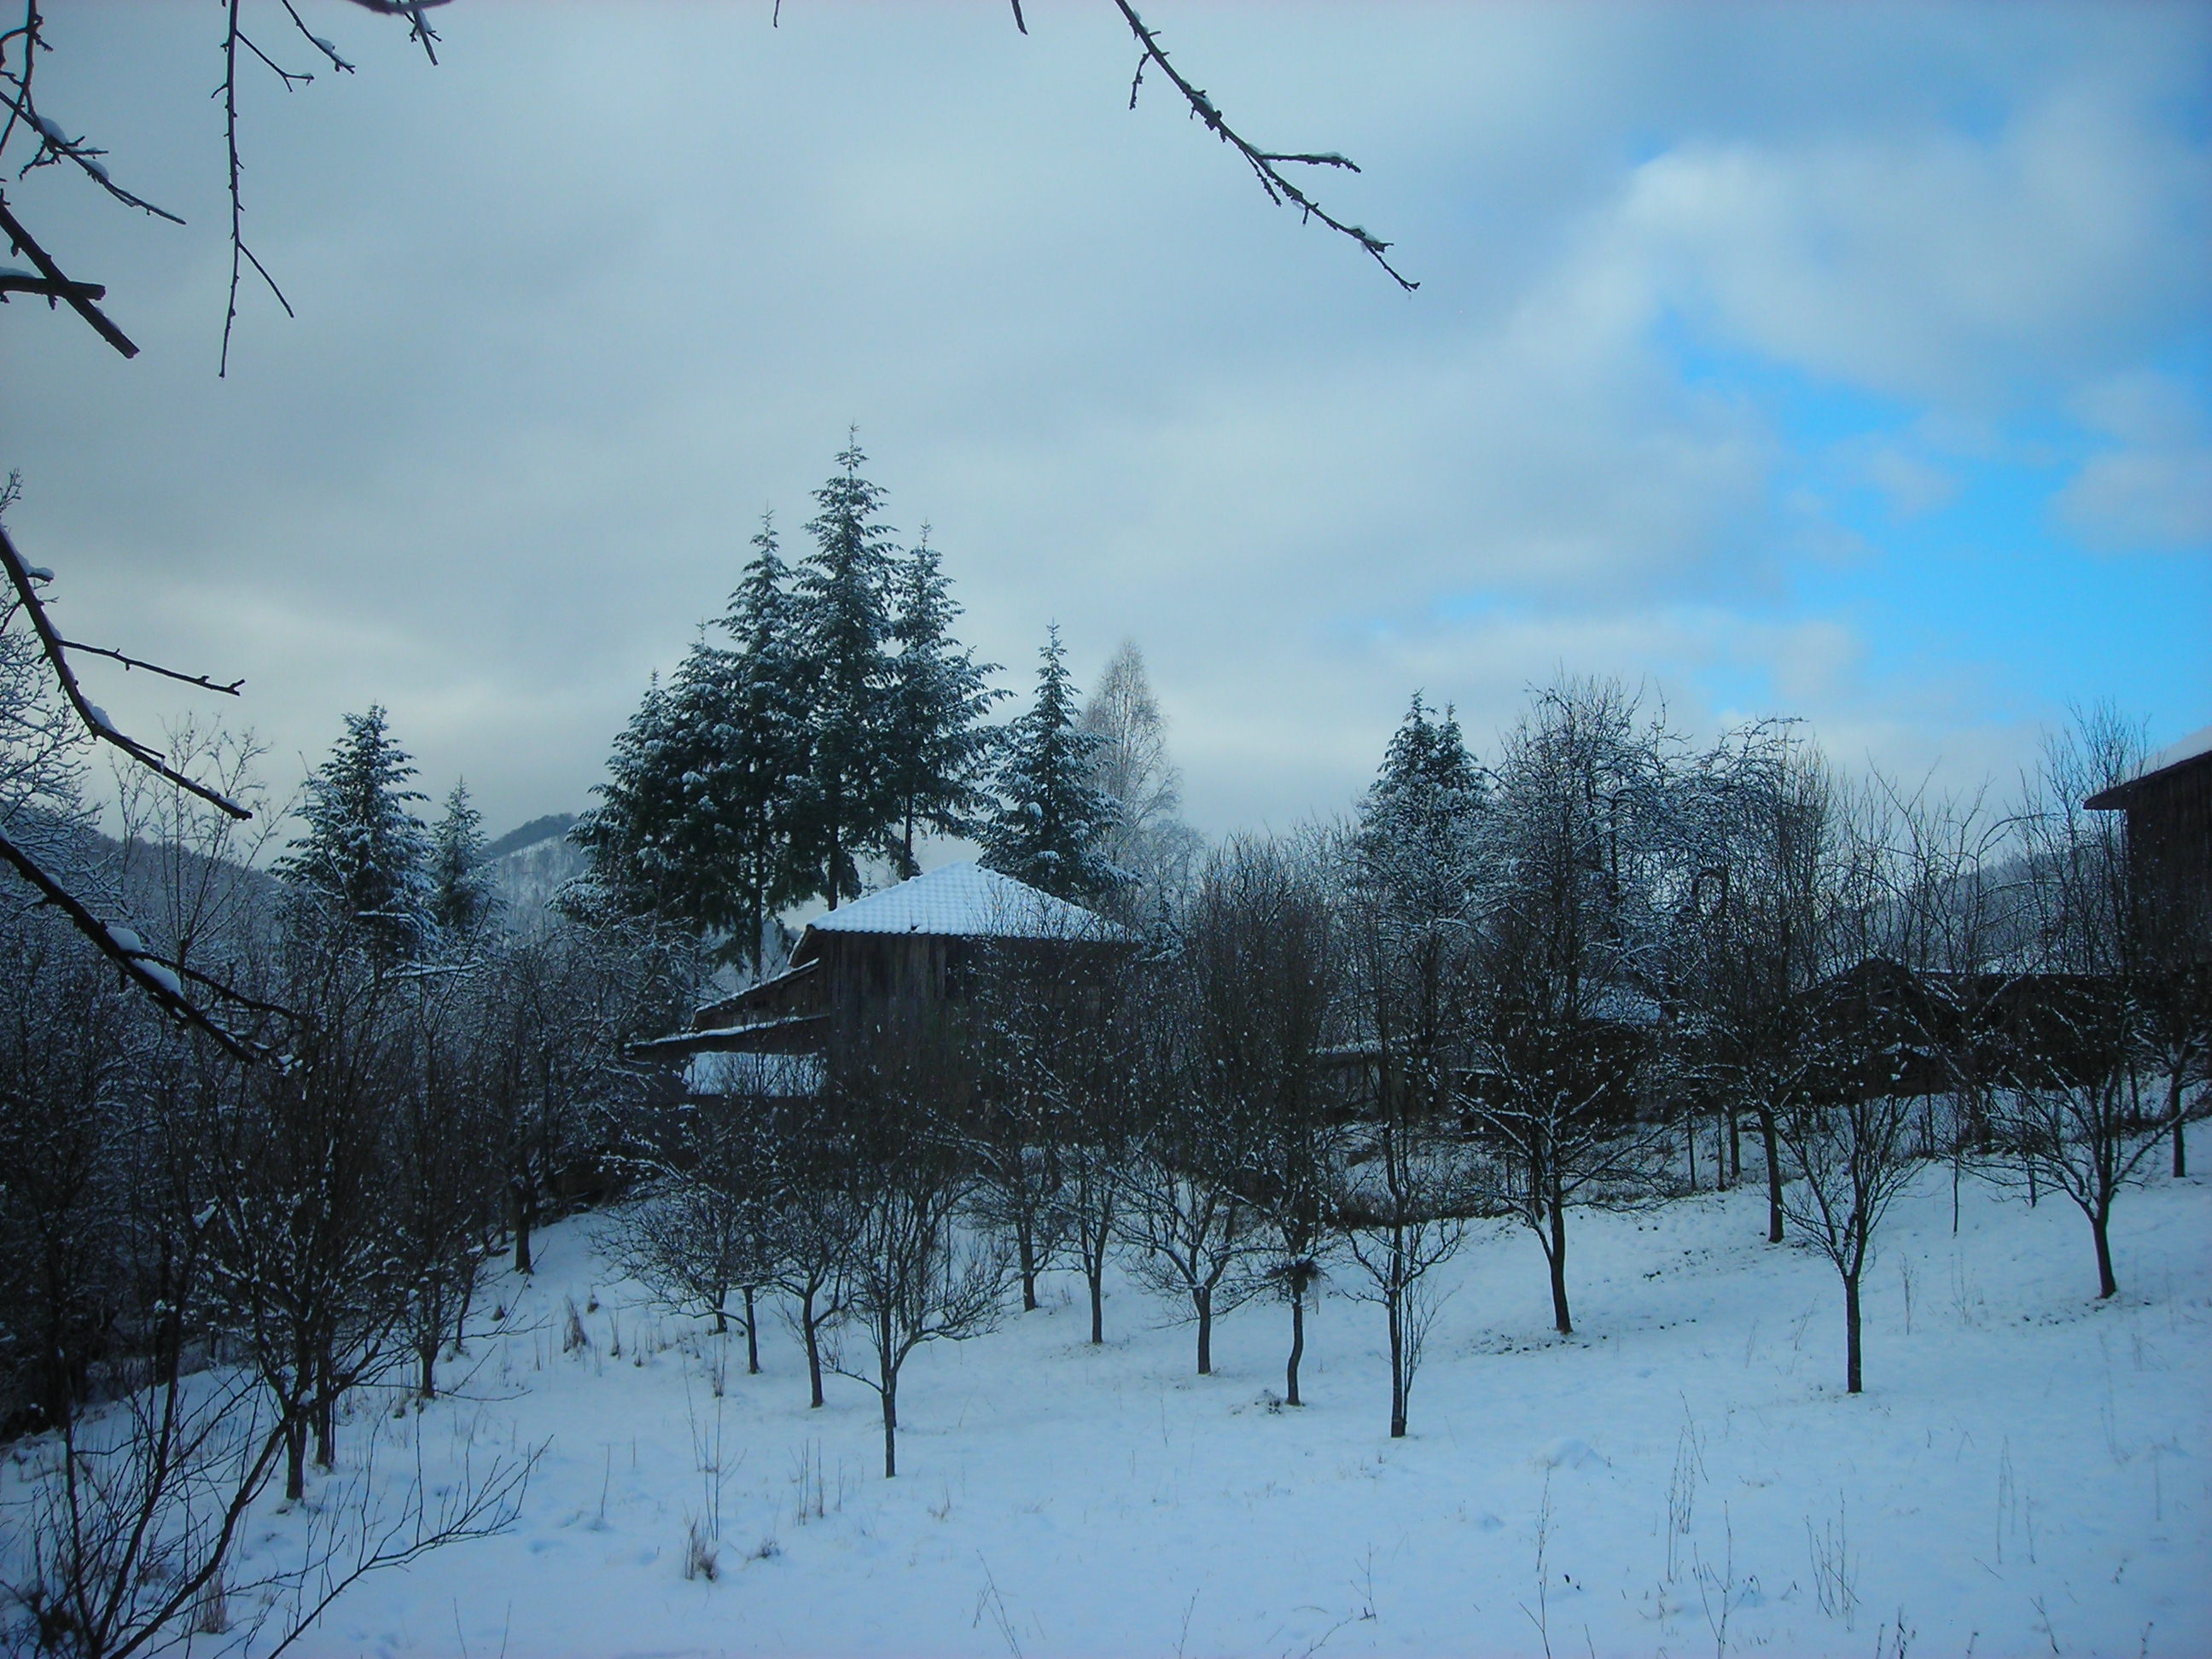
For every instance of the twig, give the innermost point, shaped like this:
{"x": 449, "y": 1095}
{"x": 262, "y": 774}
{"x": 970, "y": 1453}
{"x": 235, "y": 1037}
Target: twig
{"x": 80, "y": 295}
{"x": 1266, "y": 164}
{"x": 157, "y": 979}
{"x": 94, "y": 718}
{"x": 200, "y": 680}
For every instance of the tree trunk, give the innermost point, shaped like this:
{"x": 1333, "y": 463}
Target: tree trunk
{"x": 1393, "y": 1303}
{"x": 890, "y": 1425}
{"x": 1202, "y": 1300}
{"x": 296, "y": 1459}
{"x": 2173, "y": 1116}
{"x": 1735, "y": 1147}
{"x": 325, "y": 1413}
{"x": 810, "y": 1328}
{"x": 523, "y": 1216}
{"x": 1025, "y": 1248}
{"x": 1556, "y": 1255}
{"x": 461, "y": 1314}
{"x": 1298, "y": 1344}
{"x": 1851, "y": 1333}
{"x": 1095, "y": 1272}
{"x": 753, "y": 1336}
{"x": 2100, "y": 1225}
{"x": 1767, "y": 1137}
{"x": 426, "y": 1352}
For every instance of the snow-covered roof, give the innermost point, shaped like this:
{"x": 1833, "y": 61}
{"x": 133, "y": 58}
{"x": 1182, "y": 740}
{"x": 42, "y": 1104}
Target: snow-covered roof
{"x": 2190, "y": 748}
{"x": 966, "y": 900}
{"x": 2196, "y": 744}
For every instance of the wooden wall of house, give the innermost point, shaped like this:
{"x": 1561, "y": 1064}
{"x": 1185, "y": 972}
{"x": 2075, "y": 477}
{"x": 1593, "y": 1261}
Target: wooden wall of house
{"x": 2170, "y": 852}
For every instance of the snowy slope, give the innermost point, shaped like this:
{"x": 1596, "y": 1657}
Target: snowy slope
{"x": 2029, "y": 1472}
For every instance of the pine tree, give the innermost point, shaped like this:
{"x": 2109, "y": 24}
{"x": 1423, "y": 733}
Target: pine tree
{"x": 364, "y": 859}
{"x": 846, "y": 805}
{"x": 939, "y": 744}
{"x": 1053, "y": 818}
{"x": 655, "y": 841}
{"x": 765, "y": 744}
{"x": 1416, "y": 843}
{"x": 461, "y": 900}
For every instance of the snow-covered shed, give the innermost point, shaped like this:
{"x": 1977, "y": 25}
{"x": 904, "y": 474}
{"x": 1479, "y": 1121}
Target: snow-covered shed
{"x": 877, "y": 966}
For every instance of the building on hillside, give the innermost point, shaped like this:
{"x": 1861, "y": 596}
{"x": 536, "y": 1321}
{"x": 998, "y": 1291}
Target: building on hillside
{"x": 2168, "y": 805}
{"x": 873, "y": 976}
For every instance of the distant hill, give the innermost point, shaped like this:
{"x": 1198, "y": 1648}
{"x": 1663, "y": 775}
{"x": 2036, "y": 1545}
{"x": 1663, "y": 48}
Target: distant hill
{"x": 538, "y": 829}
{"x": 531, "y": 866}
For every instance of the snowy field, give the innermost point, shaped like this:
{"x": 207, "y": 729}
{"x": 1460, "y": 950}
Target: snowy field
{"x": 2028, "y": 1472}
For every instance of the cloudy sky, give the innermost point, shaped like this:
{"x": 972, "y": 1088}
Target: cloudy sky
{"x": 1850, "y": 362}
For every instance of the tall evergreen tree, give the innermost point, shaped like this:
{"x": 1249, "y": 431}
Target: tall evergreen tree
{"x": 1417, "y": 837}
{"x": 365, "y": 857}
{"x": 846, "y": 803}
{"x": 656, "y": 840}
{"x": 765, "y": 744}
{"x": 939, "y": 744}
{"x": 1053, "y": 818}
{"x": 461, "y": 900}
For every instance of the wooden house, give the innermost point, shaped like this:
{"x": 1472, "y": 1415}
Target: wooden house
{"x": 879, "y": 974}
{"x": 2168, "y": 805}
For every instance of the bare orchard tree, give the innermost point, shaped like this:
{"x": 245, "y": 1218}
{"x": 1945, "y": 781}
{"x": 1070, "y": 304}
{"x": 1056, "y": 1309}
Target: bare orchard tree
{"x": 308, "y": 1288}
{"x": 131, "y": 1511}
{"x": 704, "y": 1226}
{"x": 1403, "y": 1199}
{"x": 914, "y": 1272}
{"x": 813, "y": 1218}
{"x": 2077, "y": 1119}
{"x": 1010, "y": 1042}
{"x": 443, "y": 1152}
{"x": 1049, "y": 1031}
{"x": 71, "y": 1060}
{"x": 1564, "y": 1027}
{"x": 1766, "y": 932}
{"x": 1183, "y": 1213}
{"x": 1263, "y": 960}
{"x": 1846, "y": 1137}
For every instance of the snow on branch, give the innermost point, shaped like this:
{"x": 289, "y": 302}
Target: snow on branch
{"x": 120, "y": 945}
{"x": 95, "y": 719}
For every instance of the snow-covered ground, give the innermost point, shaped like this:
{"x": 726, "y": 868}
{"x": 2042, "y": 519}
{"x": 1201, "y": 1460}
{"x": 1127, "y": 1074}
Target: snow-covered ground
{"x": 2028, "y": 1472}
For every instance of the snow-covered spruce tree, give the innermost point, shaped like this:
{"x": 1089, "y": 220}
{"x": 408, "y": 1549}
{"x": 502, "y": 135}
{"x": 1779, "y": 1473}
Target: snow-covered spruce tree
{"x": 655, "y": 840}
{"x": 939, "y": 750}
{"x": 461, "y": 899}
{"x": 364, "y": 860}
{"x": 1417, "y": 847}
{"x": 845, "y": 805}
{"x": 765, "y": 741}
{"x": 1132, "y": 766}
{"x": 698, "y": 824}
{"x": 1053, "y": 817}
